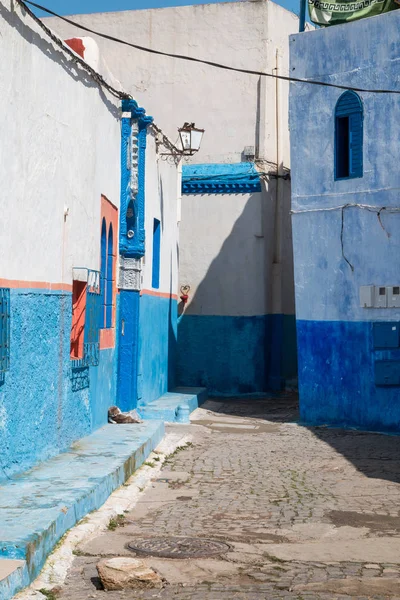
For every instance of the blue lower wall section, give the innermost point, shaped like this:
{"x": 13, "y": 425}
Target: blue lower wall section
{"x": 236, "y": 355}
{"x": 45, "y": 404}
{"x": 128, "y": 342}
{"x": 336, "y": 377}
{"x": 157, "y": 347}
{"x": 103, "y": 387}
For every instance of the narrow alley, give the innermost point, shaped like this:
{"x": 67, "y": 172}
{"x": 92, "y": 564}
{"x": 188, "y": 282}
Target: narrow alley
{"x": 305, "y": 512}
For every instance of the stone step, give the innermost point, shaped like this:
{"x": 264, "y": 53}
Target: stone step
{"x": 39, "y": 506}
{"x": 166, "y": 407}
{"x": 12, "y": 573}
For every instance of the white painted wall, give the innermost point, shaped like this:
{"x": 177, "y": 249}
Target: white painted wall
{"x": 237, "y": 110}
{"x": 161, "y": 203}
{"x": 60, "y": 147}
{"x": 243, "y": 34}
{"x": 211, "y": 251}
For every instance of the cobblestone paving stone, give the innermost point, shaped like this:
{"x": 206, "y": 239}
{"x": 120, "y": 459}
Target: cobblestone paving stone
{"x": 253, "y": 477}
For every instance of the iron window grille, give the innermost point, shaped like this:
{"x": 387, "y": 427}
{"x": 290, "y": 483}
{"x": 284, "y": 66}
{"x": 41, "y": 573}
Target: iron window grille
{"x": 91, "y": 343}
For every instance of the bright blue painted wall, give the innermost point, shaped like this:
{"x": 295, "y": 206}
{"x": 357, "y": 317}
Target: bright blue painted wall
{"x": 236, "y": 355}
{"x": 336, "y": 377}
{"x": 157, "y": 347}
{"x": 128, "y": 340}
{"x": 336, "y": 357}
{"x": 44, "y": 404}
{"x": 103, "y": 384}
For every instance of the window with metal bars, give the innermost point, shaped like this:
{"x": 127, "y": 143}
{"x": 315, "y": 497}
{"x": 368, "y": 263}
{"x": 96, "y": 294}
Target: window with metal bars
{"x": 92, "y": 331}
{"x": 4, "y": 329}
{"x": 86, "y": 311}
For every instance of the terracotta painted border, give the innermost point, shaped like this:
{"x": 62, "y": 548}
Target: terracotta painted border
{"x": 35, "y": 285}
{"x": 158, "y": 294}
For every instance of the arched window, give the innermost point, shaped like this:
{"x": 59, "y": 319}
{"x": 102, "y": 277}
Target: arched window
{"x": 155, "y": 278}
{"x": 348, "y": 136}
{"x": 103, "y": 273}
{"x": 110, "y": 272}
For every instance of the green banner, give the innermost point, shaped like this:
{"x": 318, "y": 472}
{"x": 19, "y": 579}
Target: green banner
{"x": 324, "y": 12}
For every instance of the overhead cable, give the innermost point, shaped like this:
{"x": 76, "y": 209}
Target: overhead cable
{"x": 209, "y": 62}
{"x": 77, "y": 59}
{"x": 95, "y": 75}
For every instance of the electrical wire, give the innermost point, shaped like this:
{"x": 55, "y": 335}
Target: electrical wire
{"x": 369, "y": 207}
{"x": 99, "y": 79}
{"x": 208, "y": 62}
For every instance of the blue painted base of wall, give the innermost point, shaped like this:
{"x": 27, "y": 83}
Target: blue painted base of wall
{"x": 38, "y": 507}
{"x": 45, "y": 404}
{"x": 336, "y": 377}
{"x": 128, "y": 342}
{"x": 236, "y": 355}
{"x": 157, "y": 347}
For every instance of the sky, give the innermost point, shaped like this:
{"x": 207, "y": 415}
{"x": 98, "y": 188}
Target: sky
{"x": 70, "y": 7}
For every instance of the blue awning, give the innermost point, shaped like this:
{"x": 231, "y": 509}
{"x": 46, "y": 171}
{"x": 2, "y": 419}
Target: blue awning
{"x": 238, "y": 178}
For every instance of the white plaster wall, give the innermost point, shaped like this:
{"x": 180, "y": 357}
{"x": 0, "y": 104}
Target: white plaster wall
{"x": 161, "y": 203}
{"x": 59, "y": 147}
{"x": 242, "y": 34}
{"x": 217, "y": 243}
{"x": 237, "y": 110}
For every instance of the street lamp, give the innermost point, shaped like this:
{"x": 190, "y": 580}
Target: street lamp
{"x": 190, "y": 137}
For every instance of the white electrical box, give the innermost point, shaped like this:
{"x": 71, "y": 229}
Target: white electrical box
{"x": 367, "y": 296}
{"x": 393, "y": 296}
{"x": 249, "y": 152}
{"x": 380, "y": 300}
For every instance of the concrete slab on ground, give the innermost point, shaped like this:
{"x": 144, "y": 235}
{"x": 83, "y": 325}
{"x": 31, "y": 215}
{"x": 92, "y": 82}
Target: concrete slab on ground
{"x": 39, "y": 506}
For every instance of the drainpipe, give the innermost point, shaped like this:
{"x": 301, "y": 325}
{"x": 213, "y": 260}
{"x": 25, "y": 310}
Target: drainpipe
{"x": 277, "y": 316}
{"x": 179, "y": 202}
{"x": 302, "y": 16}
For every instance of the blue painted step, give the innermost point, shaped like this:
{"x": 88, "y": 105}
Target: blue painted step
{"x": 166, "y": 407}
{"x": 39, "y": 506}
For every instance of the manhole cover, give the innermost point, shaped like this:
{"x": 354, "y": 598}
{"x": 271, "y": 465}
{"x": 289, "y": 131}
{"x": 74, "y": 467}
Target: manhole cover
{"x": 175, "y": 547}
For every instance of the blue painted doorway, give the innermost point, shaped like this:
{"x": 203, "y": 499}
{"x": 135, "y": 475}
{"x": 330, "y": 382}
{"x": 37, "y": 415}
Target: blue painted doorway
{"x": 128, "y": 350}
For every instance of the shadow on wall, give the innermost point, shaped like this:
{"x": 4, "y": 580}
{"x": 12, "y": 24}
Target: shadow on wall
{"x": 229, "y": 351}
{"x": 48, "y": 49}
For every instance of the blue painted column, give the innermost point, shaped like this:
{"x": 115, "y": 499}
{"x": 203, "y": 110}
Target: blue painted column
{"x": 131, "y": 247}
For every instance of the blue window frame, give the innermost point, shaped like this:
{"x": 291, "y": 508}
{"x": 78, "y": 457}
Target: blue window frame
{"x": 155, "y": 280}
{"x": 109, "y": 284}
{"x": 4, "y": 329}
{"x": 103, "y": 273}
{"x": 349, "y": 136}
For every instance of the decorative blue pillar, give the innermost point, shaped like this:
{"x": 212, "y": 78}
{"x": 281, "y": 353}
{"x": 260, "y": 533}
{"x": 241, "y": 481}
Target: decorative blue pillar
{"x": 133, "y": 174}
{"x": 132, "y": 238}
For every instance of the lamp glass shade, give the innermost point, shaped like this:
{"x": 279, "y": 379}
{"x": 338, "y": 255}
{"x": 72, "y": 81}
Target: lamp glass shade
{"x": 185, "y": 135}
{"x": 197, "y": 136}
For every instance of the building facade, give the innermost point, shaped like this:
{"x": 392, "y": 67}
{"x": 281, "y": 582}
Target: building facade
{"x": 67, "y": 234}
{"x": 236, "y": 333}
{"x": 345, "y": 223}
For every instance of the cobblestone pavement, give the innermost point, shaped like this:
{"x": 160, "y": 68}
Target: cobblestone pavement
{"x": 307, "y": 512}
